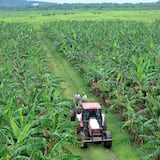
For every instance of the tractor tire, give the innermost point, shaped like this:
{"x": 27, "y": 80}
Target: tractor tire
{"x": 105, "y": 126}
{"x": 73, "y": 113}
{"x": 73, "y": 118}
{"x": 78, "y": 129}
{"x": 108, "y": 136}
{"x": 84, "y": 145}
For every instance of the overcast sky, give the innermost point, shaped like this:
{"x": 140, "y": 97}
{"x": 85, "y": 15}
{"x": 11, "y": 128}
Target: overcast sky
{"x": 97, "y": 1}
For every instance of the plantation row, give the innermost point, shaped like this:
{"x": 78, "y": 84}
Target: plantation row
{"x": 32, "y": 122}
{"x": 120, "y": 61}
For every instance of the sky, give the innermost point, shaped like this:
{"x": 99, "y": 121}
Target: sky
{"x": 98, "y": 1}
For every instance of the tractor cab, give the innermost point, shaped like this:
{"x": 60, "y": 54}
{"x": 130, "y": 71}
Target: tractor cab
{"x": 92, "y": 111}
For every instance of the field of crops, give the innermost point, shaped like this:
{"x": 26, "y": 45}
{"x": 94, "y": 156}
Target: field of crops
{"x": 120, "y": 62}
{"x": 32, "y": 110}
{"x": 41, "y": 16}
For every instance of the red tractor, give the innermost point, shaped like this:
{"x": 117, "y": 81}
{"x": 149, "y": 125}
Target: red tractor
{"x": 92, "y": 125}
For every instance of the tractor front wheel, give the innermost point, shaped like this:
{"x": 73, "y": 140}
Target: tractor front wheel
{"x": 108, "y": 144}
{"x": 84, "y": 145}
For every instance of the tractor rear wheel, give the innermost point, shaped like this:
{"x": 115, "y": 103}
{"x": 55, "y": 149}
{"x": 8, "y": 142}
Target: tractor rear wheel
{"x": 78, "y": 129}
{"x": 105, "y": 126}
{"x": 84, "y": 145}
{"x": 108, "y": 136}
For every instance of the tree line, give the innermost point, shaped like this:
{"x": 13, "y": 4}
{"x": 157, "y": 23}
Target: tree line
{"x": 98, "y": 6}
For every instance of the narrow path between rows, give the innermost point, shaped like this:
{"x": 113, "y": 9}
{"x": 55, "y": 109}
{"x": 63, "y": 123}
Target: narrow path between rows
{"x": 62, "y": 68}
{"x": 121, "y": 149}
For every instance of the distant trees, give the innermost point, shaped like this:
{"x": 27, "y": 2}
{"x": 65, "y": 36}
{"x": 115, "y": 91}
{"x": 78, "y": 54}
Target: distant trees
{"x": 66, "y": 6}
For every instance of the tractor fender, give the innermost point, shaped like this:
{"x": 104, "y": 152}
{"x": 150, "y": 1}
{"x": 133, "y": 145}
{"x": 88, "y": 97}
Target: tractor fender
{"x": 103, "y": 119}
{"x": 81, "y": 124}
{"x": 79, "y": 118}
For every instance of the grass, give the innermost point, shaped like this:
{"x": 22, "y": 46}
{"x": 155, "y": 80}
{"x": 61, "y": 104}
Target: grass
{"x": 44, "y": 16}
{"x": 62, "y": 68}
{"x": 38, "y": 17}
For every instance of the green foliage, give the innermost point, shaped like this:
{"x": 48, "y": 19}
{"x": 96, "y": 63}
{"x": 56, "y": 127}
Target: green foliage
{"x": 120, "y": 62}
{"x": 34, "y": 116}
{"x": 152, "y": 146}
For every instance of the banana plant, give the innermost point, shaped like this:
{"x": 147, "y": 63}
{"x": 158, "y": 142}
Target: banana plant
{"x": 34, "y": 117}
{"x": 124, "y": 57}
{"x": 152, "y": 146}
